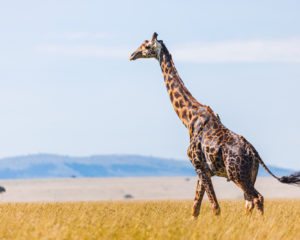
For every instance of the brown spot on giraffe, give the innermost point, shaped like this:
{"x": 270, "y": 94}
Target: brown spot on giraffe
{"x": 213, "y": 149}
{"x": 177, "y": 95}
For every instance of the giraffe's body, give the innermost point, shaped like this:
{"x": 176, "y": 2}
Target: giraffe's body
{"x": 214, "y": 149}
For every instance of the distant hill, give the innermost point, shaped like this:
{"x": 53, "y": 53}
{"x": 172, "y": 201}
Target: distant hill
{"x": 56, "y": 166}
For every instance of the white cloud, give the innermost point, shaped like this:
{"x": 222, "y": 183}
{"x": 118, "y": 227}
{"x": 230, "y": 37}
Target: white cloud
{"x": 80, "y": 35}
{"x": 85, "y": 50}
{"x": 283, "y": 50}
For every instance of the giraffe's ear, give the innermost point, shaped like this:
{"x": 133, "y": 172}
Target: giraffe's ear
{"x": 154, "y": 36}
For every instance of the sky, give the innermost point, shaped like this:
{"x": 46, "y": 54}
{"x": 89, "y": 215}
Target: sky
{"x": 67, "y": 85}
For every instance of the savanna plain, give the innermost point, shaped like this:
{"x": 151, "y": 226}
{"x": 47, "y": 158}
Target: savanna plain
{"x": 140, "y": 219}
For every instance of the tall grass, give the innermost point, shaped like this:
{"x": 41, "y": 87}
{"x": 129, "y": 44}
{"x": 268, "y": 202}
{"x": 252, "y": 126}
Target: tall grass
{"x": 147, "y": 220}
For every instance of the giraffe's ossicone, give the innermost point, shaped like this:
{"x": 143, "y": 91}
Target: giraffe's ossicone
{"x": 213, "y": 149}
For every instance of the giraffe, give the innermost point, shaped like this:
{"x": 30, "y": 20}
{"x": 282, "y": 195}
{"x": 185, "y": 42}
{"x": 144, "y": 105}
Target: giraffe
{"x": 214, "y": 150}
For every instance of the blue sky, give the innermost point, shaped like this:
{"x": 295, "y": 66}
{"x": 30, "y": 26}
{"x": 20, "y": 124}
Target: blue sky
{"x": 68, "y": 87}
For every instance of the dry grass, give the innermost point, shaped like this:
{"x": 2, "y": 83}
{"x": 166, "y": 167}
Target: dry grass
{"x": 147, "y": 220}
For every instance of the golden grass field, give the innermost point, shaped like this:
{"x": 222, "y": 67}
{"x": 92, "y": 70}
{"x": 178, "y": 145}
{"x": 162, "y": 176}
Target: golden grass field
{"x": 147, "y": 220}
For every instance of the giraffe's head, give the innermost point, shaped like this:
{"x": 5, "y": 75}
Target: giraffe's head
{"x": 149, "y": 49}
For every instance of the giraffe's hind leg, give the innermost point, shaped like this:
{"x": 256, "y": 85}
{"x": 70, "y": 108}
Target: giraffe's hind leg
{"x": 259, "y": 203}
{"x": 249, "y": 202}
{"x": 253, "y": 198}
{"x": 198, "y": 199}
{"x": 242, "y": 169}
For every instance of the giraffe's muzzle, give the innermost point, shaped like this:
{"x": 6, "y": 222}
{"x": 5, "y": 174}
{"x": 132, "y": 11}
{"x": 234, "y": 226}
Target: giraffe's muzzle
{"x": 135, "y": 55}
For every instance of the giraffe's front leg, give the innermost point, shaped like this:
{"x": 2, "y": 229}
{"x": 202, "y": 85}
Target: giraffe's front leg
{"x": 198, "y": 199}
{"x": 206, "y": 181}
{"x": 198, "y": 160}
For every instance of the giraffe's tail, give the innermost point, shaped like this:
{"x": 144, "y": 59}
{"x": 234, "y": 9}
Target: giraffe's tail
{"x": 291, "y": 179}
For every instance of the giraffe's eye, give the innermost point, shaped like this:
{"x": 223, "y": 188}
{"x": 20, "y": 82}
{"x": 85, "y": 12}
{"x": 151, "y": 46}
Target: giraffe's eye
{"x": 147, "y": 47}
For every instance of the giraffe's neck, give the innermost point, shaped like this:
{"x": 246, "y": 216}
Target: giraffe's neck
{"x": 182, "y": 100}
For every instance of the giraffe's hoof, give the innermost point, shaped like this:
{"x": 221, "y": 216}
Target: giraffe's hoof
{"x": 261, "y": 212}
{"x": 248, "y": 212}
{"x": 217, "y": 211}
{"x": 195, "y": 215}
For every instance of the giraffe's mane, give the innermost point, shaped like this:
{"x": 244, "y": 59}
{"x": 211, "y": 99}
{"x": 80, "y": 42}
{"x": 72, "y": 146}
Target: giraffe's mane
{"x": 165, "y": 51}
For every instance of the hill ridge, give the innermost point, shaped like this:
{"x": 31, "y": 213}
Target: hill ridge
{"x": 44, "y": 165}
